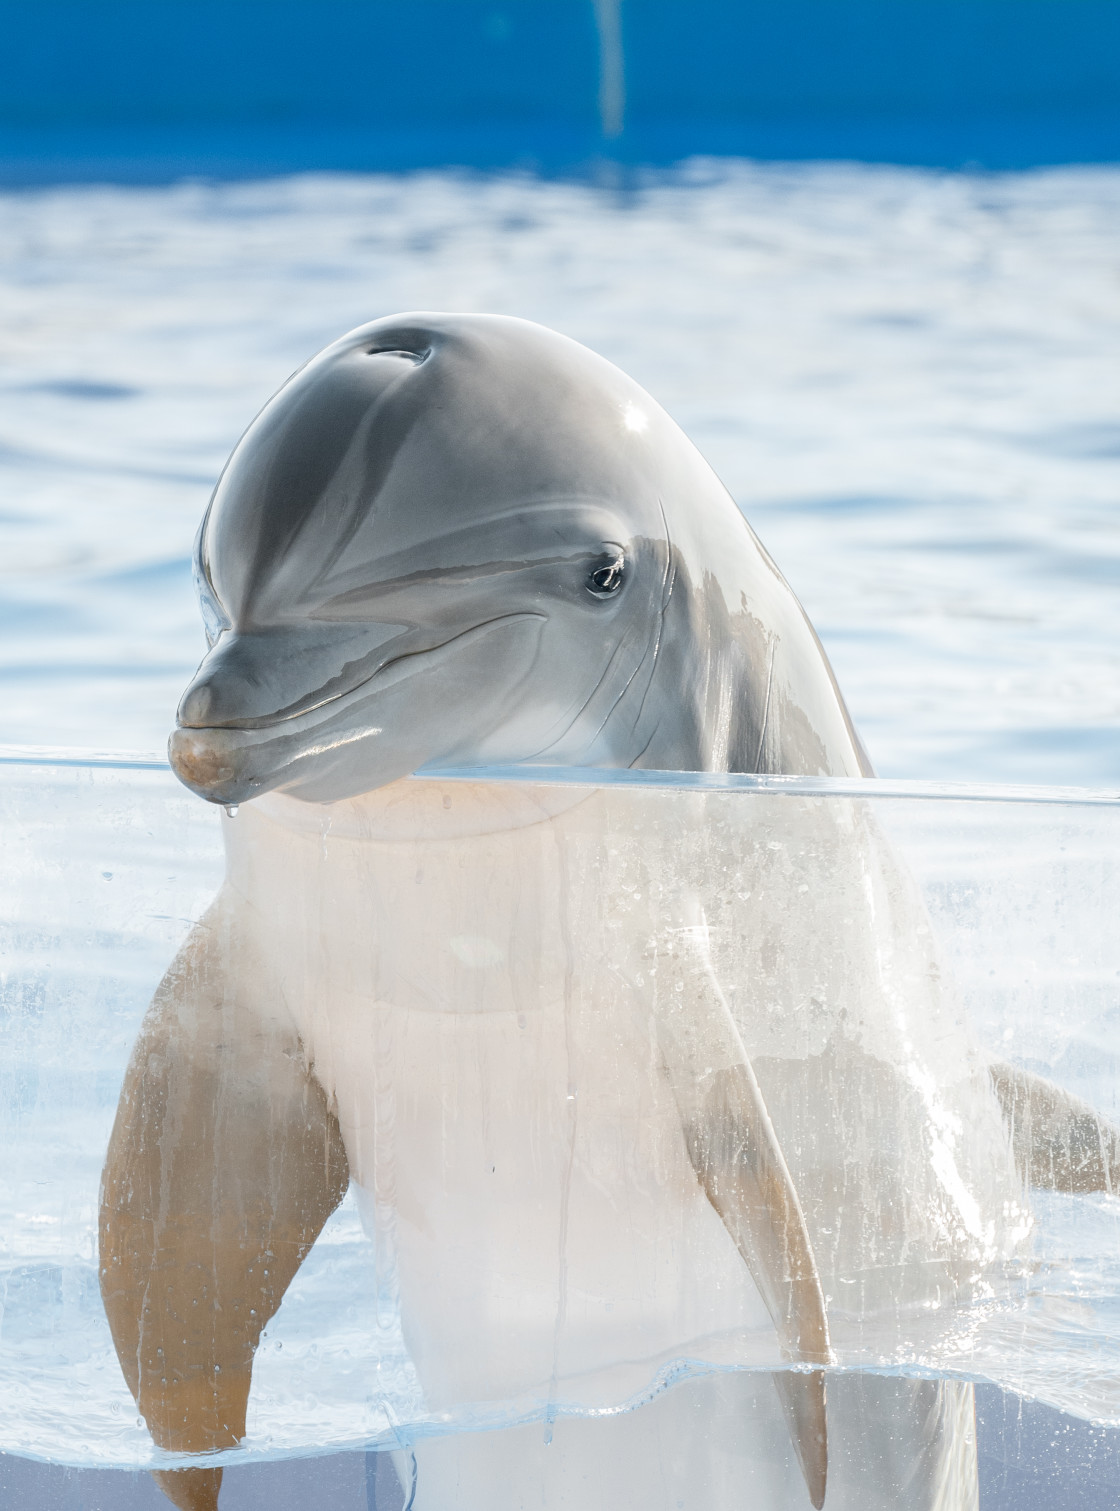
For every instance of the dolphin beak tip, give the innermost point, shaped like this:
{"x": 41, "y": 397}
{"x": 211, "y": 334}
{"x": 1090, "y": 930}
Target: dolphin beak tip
{"x": 201, "y": 764}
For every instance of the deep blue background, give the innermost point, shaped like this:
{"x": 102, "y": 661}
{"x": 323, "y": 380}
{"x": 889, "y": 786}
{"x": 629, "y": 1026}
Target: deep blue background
{"x": 152, "y": 88}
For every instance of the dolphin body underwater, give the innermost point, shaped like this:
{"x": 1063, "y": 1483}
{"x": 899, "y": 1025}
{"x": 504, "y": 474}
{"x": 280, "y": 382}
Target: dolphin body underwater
{"x": 730, "y": 1122}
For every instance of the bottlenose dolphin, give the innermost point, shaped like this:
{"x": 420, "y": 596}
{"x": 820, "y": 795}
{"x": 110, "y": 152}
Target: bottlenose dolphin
{"x": 466, "y": 540}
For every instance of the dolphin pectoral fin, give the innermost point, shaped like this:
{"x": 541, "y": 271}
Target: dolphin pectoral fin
{"x": 802, "y": 1398}
{"x": 734, "y": 1150}
{"x": 224, "y": 1163}
{"x": 1060, "y": 1143}
{"x": 190, "y": 1489}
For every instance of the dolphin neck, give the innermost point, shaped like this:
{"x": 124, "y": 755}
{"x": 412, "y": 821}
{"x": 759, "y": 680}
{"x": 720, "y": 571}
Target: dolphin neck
{"x": 412, "y": 810}
{"x": 740, "y": 682}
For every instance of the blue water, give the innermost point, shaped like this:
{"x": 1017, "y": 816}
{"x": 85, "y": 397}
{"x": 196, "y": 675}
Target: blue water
{"x": 236, "y": 87}
{"x": 907, "y": 379}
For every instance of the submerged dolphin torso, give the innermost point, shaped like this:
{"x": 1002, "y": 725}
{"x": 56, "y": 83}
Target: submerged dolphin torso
{"x": 501, "y": 954}
{"x": 530, "y": 1189}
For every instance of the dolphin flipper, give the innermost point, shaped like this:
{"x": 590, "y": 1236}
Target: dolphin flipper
{"x": 1060, "y": 1142}
{"x": 224, "y": 1163}
{"x": 735, "y": 1152}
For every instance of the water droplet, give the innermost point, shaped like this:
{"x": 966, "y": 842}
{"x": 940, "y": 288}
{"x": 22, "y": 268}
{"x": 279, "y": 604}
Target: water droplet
{"x": 231, "y": 809}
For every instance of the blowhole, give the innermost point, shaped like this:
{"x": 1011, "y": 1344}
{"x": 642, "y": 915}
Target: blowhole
{"x": 398, "y": 351}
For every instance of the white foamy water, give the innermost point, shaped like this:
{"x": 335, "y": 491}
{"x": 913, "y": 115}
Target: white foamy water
{"x": 908, "y": 380}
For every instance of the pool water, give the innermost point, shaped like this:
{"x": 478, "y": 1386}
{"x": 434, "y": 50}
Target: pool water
{"x": 906, "y": 378}
{"x": 104, "y": 869}
{"x": 1031, "y": 1458}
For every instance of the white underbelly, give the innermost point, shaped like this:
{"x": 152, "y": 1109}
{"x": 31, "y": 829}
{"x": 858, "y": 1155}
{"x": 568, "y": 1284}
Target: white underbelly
{"x": 549, "y": 1235}
{"x": 480, "y": 1009}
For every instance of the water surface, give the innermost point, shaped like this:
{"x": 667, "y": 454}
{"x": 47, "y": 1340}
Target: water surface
{"x": 907, "y": 379}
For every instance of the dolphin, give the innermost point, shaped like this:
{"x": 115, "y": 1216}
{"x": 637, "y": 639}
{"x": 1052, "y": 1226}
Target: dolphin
{"x": 469, "y": 539}
{"x": 465, "y": 540}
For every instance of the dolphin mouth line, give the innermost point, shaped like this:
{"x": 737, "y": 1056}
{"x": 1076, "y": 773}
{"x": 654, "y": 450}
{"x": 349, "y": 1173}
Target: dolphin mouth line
{"x": 393, "y": 671}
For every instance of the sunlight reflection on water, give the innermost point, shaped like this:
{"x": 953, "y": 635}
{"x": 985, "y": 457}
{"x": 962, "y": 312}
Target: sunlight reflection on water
{"x": 906, "y": 378}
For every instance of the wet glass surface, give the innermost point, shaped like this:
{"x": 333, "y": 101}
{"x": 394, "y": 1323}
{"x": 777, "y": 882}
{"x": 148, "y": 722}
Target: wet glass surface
{"x": 106, "y": 868}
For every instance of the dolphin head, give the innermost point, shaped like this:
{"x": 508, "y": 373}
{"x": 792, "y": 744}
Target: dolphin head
{"x": 440, "y": 542}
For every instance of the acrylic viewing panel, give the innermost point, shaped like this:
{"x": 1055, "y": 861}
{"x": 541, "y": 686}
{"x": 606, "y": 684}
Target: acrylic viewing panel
{"x": 498, "y": 982}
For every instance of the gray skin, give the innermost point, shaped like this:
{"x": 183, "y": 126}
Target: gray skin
{"x": 455, "y": 539}
{"x": 460, "y": 539}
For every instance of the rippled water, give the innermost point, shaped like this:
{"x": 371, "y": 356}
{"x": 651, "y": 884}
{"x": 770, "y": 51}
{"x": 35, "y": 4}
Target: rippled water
{"x": 907, "y": 379}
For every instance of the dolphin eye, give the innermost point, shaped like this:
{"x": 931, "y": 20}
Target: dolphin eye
{"x": 606, "y": 580}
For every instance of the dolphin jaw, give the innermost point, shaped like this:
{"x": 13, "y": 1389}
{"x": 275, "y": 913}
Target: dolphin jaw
{"x": 232, "y": 763}
{"x": 216, "y": 761}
